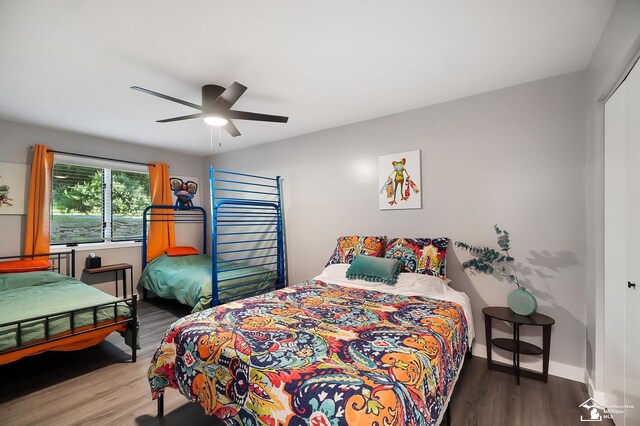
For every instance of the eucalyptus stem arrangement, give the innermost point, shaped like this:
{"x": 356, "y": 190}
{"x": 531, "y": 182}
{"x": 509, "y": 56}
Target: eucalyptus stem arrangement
{"x": 488, "y": 260}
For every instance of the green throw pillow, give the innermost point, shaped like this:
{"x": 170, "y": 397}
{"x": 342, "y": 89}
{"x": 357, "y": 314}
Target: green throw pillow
{"x": 378, "y": 269}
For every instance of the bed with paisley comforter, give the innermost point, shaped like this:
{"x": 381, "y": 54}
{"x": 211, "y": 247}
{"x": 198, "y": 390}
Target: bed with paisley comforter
{"x": 329, "y": 351}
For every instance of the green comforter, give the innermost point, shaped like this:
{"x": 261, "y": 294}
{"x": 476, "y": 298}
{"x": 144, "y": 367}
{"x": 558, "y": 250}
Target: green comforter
{"x": 29, "y": 294}
{"x": 188, "y": 279}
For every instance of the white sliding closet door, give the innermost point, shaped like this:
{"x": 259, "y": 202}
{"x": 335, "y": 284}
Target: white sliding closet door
{"x": 632, "y": 294}
{"x": 615, "y": 249}
{"x": 622, "y": 251}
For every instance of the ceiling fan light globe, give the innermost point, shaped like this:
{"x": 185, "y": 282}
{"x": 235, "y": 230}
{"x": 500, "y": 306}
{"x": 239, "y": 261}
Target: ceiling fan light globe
{"x": 215, "y": 121}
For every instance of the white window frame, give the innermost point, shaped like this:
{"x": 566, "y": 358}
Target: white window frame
{"x": 108, "y": 166}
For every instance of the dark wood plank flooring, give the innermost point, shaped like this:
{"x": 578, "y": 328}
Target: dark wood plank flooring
{"x": 100, "y": 386}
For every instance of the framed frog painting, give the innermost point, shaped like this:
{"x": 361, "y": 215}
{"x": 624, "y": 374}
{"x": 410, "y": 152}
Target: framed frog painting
{"x": 400, "y": 181}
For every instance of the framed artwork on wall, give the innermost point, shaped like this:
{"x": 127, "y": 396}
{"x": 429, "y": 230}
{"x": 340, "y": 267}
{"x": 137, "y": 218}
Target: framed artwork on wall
{"x": 13, "y": 188}
{"x": 186, "y": 190}
{"x": 400, "y": 181}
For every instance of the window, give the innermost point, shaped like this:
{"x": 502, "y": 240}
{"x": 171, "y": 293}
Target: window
{"x": 96, "y": 202}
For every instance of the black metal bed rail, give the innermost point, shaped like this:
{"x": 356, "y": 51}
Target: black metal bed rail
{"x": 175, "y": 214}
{"x": 130, "y": 302}
{"x": 56, "y": 259}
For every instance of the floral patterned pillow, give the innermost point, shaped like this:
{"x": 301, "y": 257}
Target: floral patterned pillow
{"x": 419, "y": 255}
{"x": 347, "y": 248}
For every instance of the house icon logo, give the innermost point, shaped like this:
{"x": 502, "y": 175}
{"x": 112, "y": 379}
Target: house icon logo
{"x": 592, "y": 410}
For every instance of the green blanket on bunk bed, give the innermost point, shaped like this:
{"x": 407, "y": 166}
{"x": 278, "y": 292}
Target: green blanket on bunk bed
{"x": 30, "y": 294}
{"x": 188, "y": 279}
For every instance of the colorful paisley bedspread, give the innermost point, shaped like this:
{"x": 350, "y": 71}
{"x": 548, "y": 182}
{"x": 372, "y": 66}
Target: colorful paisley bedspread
{"x": 316, "y": 354}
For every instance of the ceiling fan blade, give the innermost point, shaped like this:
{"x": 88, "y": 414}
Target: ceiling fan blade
{"x": 231, "y": 129}
{"x": 230, "y": 96}
{"x": 245, "y": 115}
{"x": 184, "y": 117}
{"x": 169, "y": 98}
{"x": 210, "y": 94}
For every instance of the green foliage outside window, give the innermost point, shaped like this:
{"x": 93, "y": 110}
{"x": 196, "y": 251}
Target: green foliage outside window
{"x": 77, "y": 189}
{"x": 130, "y": 191}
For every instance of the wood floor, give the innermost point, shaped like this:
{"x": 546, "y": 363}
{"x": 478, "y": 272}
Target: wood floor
{"x": 100, "y": 386}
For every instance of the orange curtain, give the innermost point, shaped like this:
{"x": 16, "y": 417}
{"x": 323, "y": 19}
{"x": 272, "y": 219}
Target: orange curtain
{"x": 161, "y": 234}
{"x": 36, "y": 238}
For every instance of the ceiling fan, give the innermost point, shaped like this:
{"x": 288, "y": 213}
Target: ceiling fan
{"x": 216, "y": 107}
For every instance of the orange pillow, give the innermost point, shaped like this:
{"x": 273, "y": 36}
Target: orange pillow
{"x": 181, "y": 251}
{"x": 24, "y": 265}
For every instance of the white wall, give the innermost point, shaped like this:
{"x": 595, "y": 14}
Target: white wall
{"x": 515, "y": 157}
{"x": 618, "y": 45}
{"x": 15, "y": 142}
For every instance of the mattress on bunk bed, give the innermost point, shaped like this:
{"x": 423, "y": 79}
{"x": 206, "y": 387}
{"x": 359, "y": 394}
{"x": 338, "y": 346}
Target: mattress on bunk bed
{"x": 327, "y": 351}
{"x": 31, "y": 294}
{"x": 188, "y": 279}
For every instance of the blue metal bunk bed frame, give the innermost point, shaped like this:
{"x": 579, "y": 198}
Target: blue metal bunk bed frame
{"x": 246, "y": 206}
{"x": 246, "y": 209}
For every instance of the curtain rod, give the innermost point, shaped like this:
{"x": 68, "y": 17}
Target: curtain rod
{"x": 100, "y": 158}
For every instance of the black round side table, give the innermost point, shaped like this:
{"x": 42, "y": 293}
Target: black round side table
{"x": 515, "y": 345}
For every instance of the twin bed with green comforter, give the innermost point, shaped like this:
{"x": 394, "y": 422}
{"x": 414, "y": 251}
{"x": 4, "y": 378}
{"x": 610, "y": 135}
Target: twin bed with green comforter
{"x": 188, "y": 279}
{"x": 44, "y": 307}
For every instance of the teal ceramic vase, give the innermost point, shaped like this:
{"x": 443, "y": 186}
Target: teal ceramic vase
{"x": 522, "y": 302}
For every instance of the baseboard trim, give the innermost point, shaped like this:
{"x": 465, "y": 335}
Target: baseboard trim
{"x": 558, "y": 369}
{"x": 593, "y": 393}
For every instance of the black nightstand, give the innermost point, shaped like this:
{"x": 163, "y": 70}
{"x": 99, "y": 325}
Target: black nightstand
{"x": 515, "y": 345}
{"x": 115, "y": 268}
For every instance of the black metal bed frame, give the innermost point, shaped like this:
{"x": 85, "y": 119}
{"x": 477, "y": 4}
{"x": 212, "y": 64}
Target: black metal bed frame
{"x": 69, "y": 256}
{"x": 168, "y": 214}
{"x": 55, "y": 258}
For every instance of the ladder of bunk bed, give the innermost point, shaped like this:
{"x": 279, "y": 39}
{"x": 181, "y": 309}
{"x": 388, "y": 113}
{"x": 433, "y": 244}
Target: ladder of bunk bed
{"x": 237, "y": 211}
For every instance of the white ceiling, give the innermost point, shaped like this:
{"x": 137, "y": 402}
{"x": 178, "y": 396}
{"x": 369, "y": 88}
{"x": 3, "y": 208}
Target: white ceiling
{"x": 69, "y": 64}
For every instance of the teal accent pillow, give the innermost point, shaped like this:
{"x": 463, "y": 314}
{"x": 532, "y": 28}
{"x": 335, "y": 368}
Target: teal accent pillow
{"x": 377, "y": 269}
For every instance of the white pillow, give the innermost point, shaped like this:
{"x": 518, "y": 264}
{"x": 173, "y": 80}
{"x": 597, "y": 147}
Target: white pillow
{"x": 335, "y": 272}
{"x": 420, "y": 283}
